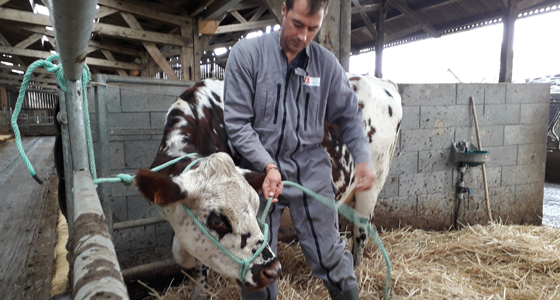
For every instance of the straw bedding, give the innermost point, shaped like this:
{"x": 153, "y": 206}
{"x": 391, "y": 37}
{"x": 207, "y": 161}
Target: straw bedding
{"x": 477, "y": 262}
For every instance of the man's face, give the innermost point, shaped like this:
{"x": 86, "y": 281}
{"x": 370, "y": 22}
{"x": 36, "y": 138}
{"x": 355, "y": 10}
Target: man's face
{"x": 298, "y": 27}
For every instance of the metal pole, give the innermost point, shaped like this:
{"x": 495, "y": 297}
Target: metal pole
{"x": 345, "y": 33}
{"x": 68, "y": 168}
{"x": 96, "y": 268}
{"x": 76, "y": 125}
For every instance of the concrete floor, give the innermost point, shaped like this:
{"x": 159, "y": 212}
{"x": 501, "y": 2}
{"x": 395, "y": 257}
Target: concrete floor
{"x": 551, "y": 204}
{"x": 28, "y": 219}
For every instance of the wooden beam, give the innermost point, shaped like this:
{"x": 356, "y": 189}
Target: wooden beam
{"x": 23, "y": 16}
{"x": 402, "y": 33}
{"x": 18, "y": 83}
{"x": 110, "y": 57}
{"x": 140, "y": 35}
{"x": 365, "y": 8}
{"x": 258, "y": 14}
{"x": 417, "y": 17}
{"x": 222, "y": 45}
{"x": 366, "y": 19}
{"x": 246, "y": 5}
{"x": 201, "y": 6}
{"x": 245, "y": 26}
{"x": 274, "y": 7}
{"x": 17, "y": 60}
{"x": 144, "y": 11}
{"x": 218, "y": 9}
{"x": 506, "y": 56}
{"x": 238, "y": 17}
{"x": 187, "y": 55}
{"x": 380, "y": 25}
{"x": 2, "y": 2}
{"x": 20, "y": 77}
{"x": 208, "y": 27}
{"x": 151, "y": 48}
{"x": 521, "y": 5}
{"x": 103, "y": 11}
{"x": 116, "y": 48}
{"x": 29, "y": 41}
{"x": 345, "y": 37}
{"x": 89, "y": 60}
{"x": 23, "y": 69}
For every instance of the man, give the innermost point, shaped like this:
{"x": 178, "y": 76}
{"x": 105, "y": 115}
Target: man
{"x": 280, "y": 88}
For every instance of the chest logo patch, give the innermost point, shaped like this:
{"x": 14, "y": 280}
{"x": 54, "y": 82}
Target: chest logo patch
{"x": 312, "y": 81}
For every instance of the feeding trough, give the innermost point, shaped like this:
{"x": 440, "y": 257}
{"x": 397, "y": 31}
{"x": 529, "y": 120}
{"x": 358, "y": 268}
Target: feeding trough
{"x": 468, "y": 154}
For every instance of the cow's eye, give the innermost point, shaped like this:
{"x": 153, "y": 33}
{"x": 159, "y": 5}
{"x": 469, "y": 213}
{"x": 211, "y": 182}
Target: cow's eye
{"x": 219, "y": 223}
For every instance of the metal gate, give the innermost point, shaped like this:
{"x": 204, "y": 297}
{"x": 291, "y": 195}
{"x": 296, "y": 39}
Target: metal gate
{"x": 37, "y": 111}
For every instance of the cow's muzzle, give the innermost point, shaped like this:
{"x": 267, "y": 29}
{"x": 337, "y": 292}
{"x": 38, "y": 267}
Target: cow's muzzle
{"x": 264, "y": 275}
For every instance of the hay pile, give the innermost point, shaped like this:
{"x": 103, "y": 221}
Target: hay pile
{"x": 478, "y": 262}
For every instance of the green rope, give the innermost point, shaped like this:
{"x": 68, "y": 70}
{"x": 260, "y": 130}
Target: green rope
{"x": 352, "y": 215}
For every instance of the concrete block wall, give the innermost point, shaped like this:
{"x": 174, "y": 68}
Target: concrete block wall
{"x": 420, "y": 189}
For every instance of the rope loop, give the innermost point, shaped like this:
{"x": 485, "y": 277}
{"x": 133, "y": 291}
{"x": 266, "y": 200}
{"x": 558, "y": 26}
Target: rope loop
{"x": 126, "y": 179}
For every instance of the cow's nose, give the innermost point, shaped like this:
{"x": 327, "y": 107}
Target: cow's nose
{"x": 273, "y": 272}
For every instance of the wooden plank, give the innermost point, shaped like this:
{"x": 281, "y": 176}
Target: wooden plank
{"x": 151, "y": 48}
{"x": 417, "y": 17}
{"x": 275, "y": 7}
{"x": 187, "y": 56}
{"x": 23, "y": 69}
{"x": 208, "y": 27}
{"x": 25, "y": 17}
{"x": 365, "y": 8}
{"x": 89, "y": 60}
{"x": 144, "y": 11}
{"x": 110, "y": 57}
{"x": 506, "y": 56}
{"x": 103, "y": 11}
{"x": 116, "y": 48}
{"x": 258, "y": 14}
{"x": 238, "y": 17}
{"x": 28, "y": 41}
{"x": 366, "y": 19}
{"x": 2, "y": 2}
{"x": 245, "y": 26}
{"x": 218, "y": 9}
{"x": 140, "y": 35}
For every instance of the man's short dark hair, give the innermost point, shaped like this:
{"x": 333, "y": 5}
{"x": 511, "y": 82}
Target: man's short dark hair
{"x": 313, "y": 6}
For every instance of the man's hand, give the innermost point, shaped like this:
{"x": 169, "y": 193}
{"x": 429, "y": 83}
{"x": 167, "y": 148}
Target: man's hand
{"x": 272, "y": 185}
{"x": 364, "y": 177}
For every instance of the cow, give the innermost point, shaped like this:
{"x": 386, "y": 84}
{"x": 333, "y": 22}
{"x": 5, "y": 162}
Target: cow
{"x": 225, "y": 202}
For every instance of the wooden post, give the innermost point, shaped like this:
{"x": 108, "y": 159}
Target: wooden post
{"x": 4, "y": 100}
{"x": 345, "y": 33}
{"x": 506, "y": 60}
{"x": 187, "y": 53}
{"x": 329, "y": 35}
{"x": 198, "y": 50}
{"x": 380, "y": 27}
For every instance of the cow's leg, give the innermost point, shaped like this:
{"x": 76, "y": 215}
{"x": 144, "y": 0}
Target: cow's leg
{"x": 200, "y": 275}
{"x": 365, "y": 203}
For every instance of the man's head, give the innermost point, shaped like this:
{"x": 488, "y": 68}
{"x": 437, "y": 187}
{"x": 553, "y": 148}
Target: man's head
{"x": 302, "y": 20}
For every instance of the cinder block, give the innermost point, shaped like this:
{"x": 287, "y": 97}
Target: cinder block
{"x": 435, "y": 160}
{"x": 128, "y": 120}
{"x": 489, "y": 115}
{"x": 91, "y": 99}
{"x": 149, "y": 255}
{"x": 140, "y": 208}
{"x": 140, "y": 154}
{"x": 494, "y": 93}
{"x": 535, "y": 113}
{"x": 428, "y": 94}
{"x": 120, "y": 190}
{"x": 427, "y": 139}
{"x": 404, "y": 163}
{"x": 390, "y": 188}
{"x": 426, "y": 183}
{"x": 411, "y": 117}
{"x": 473, "y": 177}
{"x": 500, "y": 198}
{"x": 157, "y": 137}
{"x": 392, "y": 213}
{"x": 472, "y": 209}
{"x": 122, "y": 138}
{"x": 435, "y": 211}
{"x": 149, "y": 98}
{"x": 467, "y": 90}
{"x": 532, "y": 154}
{"x": 135, "y": 238}
{"x": 502, "y": 156}
{"x": 113, "y": 99}
{"x": 523, "y": 174}
{"x": 528, "y": 93}
{"x": 157, "y": 120}
{"x": 116, "y": 151}
{"x": 525, "y": 134}
{"x": 164, "y": 235}
{"x": 490, "y": 136}
{"x": 529, "y": 204}
{"x": 444, "y": 116}
{"x": 120, "y": 210}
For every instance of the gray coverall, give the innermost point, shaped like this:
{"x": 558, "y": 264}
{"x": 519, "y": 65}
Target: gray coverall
{"x": 275, "y": 113}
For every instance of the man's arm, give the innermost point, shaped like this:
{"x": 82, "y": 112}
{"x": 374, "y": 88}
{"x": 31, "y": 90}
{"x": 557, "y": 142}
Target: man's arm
{"x": 239, "y": 92}
{"x": 342, "y": 110}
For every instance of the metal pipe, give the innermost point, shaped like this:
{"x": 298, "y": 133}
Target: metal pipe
{"x": 72, "y": 23}
{"x": 147, "y": 81}
{"x": 168, "y": 266}
{"x": 138, "y": 223}
{"x": 68, "y": 167}
{"x": 76, "y": 125}
{"x": 345, "y": 36}
{"x": 96, "y": 268}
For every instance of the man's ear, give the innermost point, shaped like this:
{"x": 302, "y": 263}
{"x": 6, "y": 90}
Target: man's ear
{"x": 256, "y": 180}
{"x": 157, "y": 188}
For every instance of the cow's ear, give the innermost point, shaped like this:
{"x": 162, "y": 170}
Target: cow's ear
{"x": 158, "y": 188}
{"x": 255, "y": 179}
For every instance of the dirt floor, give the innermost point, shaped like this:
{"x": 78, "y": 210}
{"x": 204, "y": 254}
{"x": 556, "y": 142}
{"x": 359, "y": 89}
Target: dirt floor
{"x": 28, "y": 220}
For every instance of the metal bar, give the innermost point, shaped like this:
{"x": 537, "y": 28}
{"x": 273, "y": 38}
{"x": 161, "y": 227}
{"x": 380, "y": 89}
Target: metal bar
{"x": 68, "y": 167}
{"x": 103, "y": 142}
{"x": 96, "y": 268}
{"x": 72, "y": 22}
{"x": 345, "y": 36}
{"x": 146, "y": 81}
{"x": 167, "y": 266}
{"x": 138, "y": 223}
{"x": 76, "y": 125}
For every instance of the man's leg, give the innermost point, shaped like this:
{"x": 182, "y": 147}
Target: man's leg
{"x": 273, "y": 221}
{"x": 317, "y": 228}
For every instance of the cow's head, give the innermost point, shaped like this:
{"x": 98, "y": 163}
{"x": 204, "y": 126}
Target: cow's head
{"x": 226, "y": 204}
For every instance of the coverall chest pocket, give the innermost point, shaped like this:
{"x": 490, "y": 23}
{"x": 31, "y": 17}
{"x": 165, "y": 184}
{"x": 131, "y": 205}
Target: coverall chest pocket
{"x": 267, "y": 105}
{"x": 312, "y": 116}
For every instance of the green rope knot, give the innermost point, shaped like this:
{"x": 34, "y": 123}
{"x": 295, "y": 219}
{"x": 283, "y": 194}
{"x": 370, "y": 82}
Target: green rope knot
{"x": 126, "y": 179}
{"x": 244, "y": 269}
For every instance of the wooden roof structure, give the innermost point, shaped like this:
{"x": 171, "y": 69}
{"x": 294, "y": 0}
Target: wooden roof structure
{"x": 144, "y": 38}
